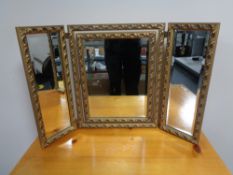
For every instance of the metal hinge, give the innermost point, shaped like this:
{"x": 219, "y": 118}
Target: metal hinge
{"x": 67, "y": 35}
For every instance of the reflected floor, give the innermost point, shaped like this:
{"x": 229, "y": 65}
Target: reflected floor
{"x": 118, "y": 106}
{"x": 55, "y": 111}
{"x": 181, "y": 109}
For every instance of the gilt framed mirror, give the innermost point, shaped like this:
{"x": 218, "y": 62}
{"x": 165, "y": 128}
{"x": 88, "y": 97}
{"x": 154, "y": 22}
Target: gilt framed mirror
{"x": 117, "y": 73}
{"x": 45, "y": 61}
{"x": 187, "y": 70}
{"x": 123, "y": 76}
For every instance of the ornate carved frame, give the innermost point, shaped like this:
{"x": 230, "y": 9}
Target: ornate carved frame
{"x": 22, "y": 32}
{"x": 155, "y": 67}
{"x": 213, "y": 28}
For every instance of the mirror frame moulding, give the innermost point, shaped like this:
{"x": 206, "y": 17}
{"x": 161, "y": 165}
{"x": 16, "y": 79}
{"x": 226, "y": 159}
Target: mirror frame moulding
{"x": 160, "y": 88}
{"x": 213, "y": 28}
{"x": 126, "y": 30}
{"x": 28, "y": 69}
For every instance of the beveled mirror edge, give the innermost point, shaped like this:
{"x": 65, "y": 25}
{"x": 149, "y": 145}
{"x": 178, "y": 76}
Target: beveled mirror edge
{"x": 214, "y": 30}
{"x": 21, "y": 34}
{"x": 110, "y": 122}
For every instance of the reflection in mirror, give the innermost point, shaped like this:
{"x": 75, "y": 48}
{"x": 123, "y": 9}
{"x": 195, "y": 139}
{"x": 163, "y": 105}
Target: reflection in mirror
{"x": 54, "y": 43}
{"x": 47, "y": 67}
{"x": 116, "y": 77}
{"x": 188, "y": 59}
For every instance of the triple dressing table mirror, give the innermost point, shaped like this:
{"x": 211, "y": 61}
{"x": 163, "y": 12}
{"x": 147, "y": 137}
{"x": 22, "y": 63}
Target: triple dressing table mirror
{"x": 121, "y": 75}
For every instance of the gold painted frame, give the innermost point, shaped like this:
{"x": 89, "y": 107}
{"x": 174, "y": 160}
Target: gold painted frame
{"x": 154, "y": 63}
{"x": 213, "y": 28}
{"x": 21, "y": 33}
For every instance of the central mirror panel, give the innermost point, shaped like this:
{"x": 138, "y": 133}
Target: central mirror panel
{"x": 117, "y": 77}
{"x": 187, "y": 65}
{"x": 117, "y": 71}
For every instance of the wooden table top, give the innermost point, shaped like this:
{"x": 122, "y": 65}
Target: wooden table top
{"x": 144, "y": 151}
{"x": 138, "y": 151}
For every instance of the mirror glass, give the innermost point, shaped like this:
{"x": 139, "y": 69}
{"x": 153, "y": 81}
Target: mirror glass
{"x": 47, "y": 68}
{"x": 116, "y": 71}
{"x": 188, "y": 59}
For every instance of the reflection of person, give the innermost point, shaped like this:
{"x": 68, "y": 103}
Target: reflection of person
{"x": 47, "y": 71}
{"x": 122, "y": 57}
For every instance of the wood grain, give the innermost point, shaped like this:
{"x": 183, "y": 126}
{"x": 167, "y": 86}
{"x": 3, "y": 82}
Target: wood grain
{"x": 181, "y": 108}
{"x": 121, "y": 151}
{"x": 117, "y": 106}
{"x": 138, "y": 151}
{"x": 54, "y": 110}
